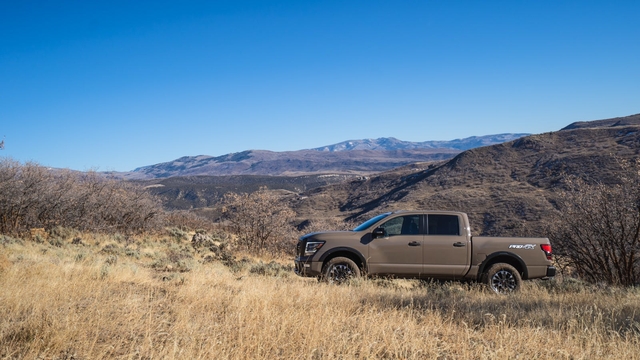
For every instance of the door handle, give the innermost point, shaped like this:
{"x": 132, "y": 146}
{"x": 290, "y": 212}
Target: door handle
{"x": 414, "y": 243}
{"x": 459, "y": 244}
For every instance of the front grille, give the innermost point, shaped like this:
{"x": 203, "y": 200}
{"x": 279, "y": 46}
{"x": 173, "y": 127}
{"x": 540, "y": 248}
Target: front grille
{"x": 299, "y": 248}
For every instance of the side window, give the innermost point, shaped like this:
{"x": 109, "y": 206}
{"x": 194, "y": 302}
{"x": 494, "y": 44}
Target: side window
{"x": 402, "y": 225}
{"x": 443, "y": 225}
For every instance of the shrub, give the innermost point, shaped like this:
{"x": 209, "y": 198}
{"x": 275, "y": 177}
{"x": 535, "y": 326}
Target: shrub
{"x": 201, "y": 240}
{"x": 111, "y": 249}
{"x": 597, "y": 232}
{"x": 134, "y": 253}
{"x": 185, "y": 220}
{"x": 178, "y": 234}
{"x": 271, "y": 269}
{"x": 259, "y": 221}
{"x": 6, "y": 240}
{"x": 175, "y": 259}
{"x": 62, "y": 232}
{"x": 34, "y": 197}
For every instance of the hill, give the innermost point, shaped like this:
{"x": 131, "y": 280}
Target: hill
{"x": 619, "y": 121}
{"x": 507, "y": 189}
{"x": 192, "y": 192}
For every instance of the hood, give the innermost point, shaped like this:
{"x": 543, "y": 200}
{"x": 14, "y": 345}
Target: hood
{"x": 329, "y": 235}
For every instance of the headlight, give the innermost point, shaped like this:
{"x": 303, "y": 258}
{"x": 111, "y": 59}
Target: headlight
{"x": 312, "y": 247}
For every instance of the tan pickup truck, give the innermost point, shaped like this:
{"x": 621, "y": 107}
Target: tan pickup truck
{"x": 423, "y": 245}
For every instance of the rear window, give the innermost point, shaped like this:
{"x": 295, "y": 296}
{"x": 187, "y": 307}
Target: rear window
{"x": 443, "y": 224}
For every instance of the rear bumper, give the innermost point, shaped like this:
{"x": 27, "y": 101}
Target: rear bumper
{"x": 551, "y": 271}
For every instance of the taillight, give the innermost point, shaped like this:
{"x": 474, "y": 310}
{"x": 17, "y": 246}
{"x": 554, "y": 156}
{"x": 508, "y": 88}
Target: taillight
{"x": 547, "y": 250}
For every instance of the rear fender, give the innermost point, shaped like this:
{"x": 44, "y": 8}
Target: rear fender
{"x": 504, "y": 257}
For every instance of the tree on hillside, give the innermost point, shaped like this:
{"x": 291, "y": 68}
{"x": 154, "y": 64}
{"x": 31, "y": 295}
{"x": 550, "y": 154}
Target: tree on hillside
{"x": 258, "y": 220}
{"x": 597, "y": 232}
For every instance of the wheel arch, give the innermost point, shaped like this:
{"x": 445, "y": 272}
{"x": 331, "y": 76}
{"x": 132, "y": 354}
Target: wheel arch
{"x": 347, "y": 252}
{"x": 507, "y": 258}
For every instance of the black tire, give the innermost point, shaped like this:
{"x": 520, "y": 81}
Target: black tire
{"x": 502, "y": 278}
{"x": 340, "y": 269}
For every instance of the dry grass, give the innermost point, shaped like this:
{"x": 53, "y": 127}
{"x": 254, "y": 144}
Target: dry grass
{"x": 107, "y": 299}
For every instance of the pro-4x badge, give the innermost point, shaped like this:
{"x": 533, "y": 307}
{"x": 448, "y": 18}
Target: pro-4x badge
{"x": 521, "y": 246}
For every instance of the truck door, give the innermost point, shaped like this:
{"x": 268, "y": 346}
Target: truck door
{"x": 446, "y": 249}
{"x": 399, "y": 252}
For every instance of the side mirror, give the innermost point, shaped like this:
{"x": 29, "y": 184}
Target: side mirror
{"x": 377, "y": 233}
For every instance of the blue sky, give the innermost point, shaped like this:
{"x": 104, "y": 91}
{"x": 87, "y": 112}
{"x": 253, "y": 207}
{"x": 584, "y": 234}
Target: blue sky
{"x": 114, "y": 85}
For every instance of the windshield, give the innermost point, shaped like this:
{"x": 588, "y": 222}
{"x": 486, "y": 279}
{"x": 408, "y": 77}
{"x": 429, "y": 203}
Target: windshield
{"x": 368, "y": 223}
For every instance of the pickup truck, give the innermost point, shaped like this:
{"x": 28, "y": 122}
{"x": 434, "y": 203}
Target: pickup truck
{"x": 423, "y": 245}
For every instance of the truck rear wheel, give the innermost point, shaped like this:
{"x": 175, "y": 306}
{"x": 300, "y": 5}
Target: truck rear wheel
{"x": 340, "y": 269}
{"x": 502, "y": 278}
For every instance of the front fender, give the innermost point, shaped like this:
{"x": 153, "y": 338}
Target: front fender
{"x": 345, "y": 250}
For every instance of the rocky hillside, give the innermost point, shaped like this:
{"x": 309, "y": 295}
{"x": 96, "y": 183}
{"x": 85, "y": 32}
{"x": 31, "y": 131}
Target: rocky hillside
{"x": 507, "y": 189}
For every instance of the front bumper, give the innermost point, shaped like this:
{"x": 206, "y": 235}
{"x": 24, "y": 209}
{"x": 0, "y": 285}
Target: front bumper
{"x": 305, "y": 267}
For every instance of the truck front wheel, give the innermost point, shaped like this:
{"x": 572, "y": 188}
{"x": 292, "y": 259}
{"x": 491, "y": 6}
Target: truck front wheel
{"x": 502, "y": 278}
{"x": 340, "y": 269}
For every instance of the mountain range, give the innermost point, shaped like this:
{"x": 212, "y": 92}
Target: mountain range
{"x": 349, "y": 157}
{"x": 390, "y": 143}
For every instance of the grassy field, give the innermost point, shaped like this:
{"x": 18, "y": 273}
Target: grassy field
{"x": 155, "y": 298}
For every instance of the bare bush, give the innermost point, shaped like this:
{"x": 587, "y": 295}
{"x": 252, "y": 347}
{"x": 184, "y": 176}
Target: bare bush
{"x": 32, "y": 196}
{"x": 597, "y": 232}
{"x": 186, "y": 220}
{"x": 259, "y": 221}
